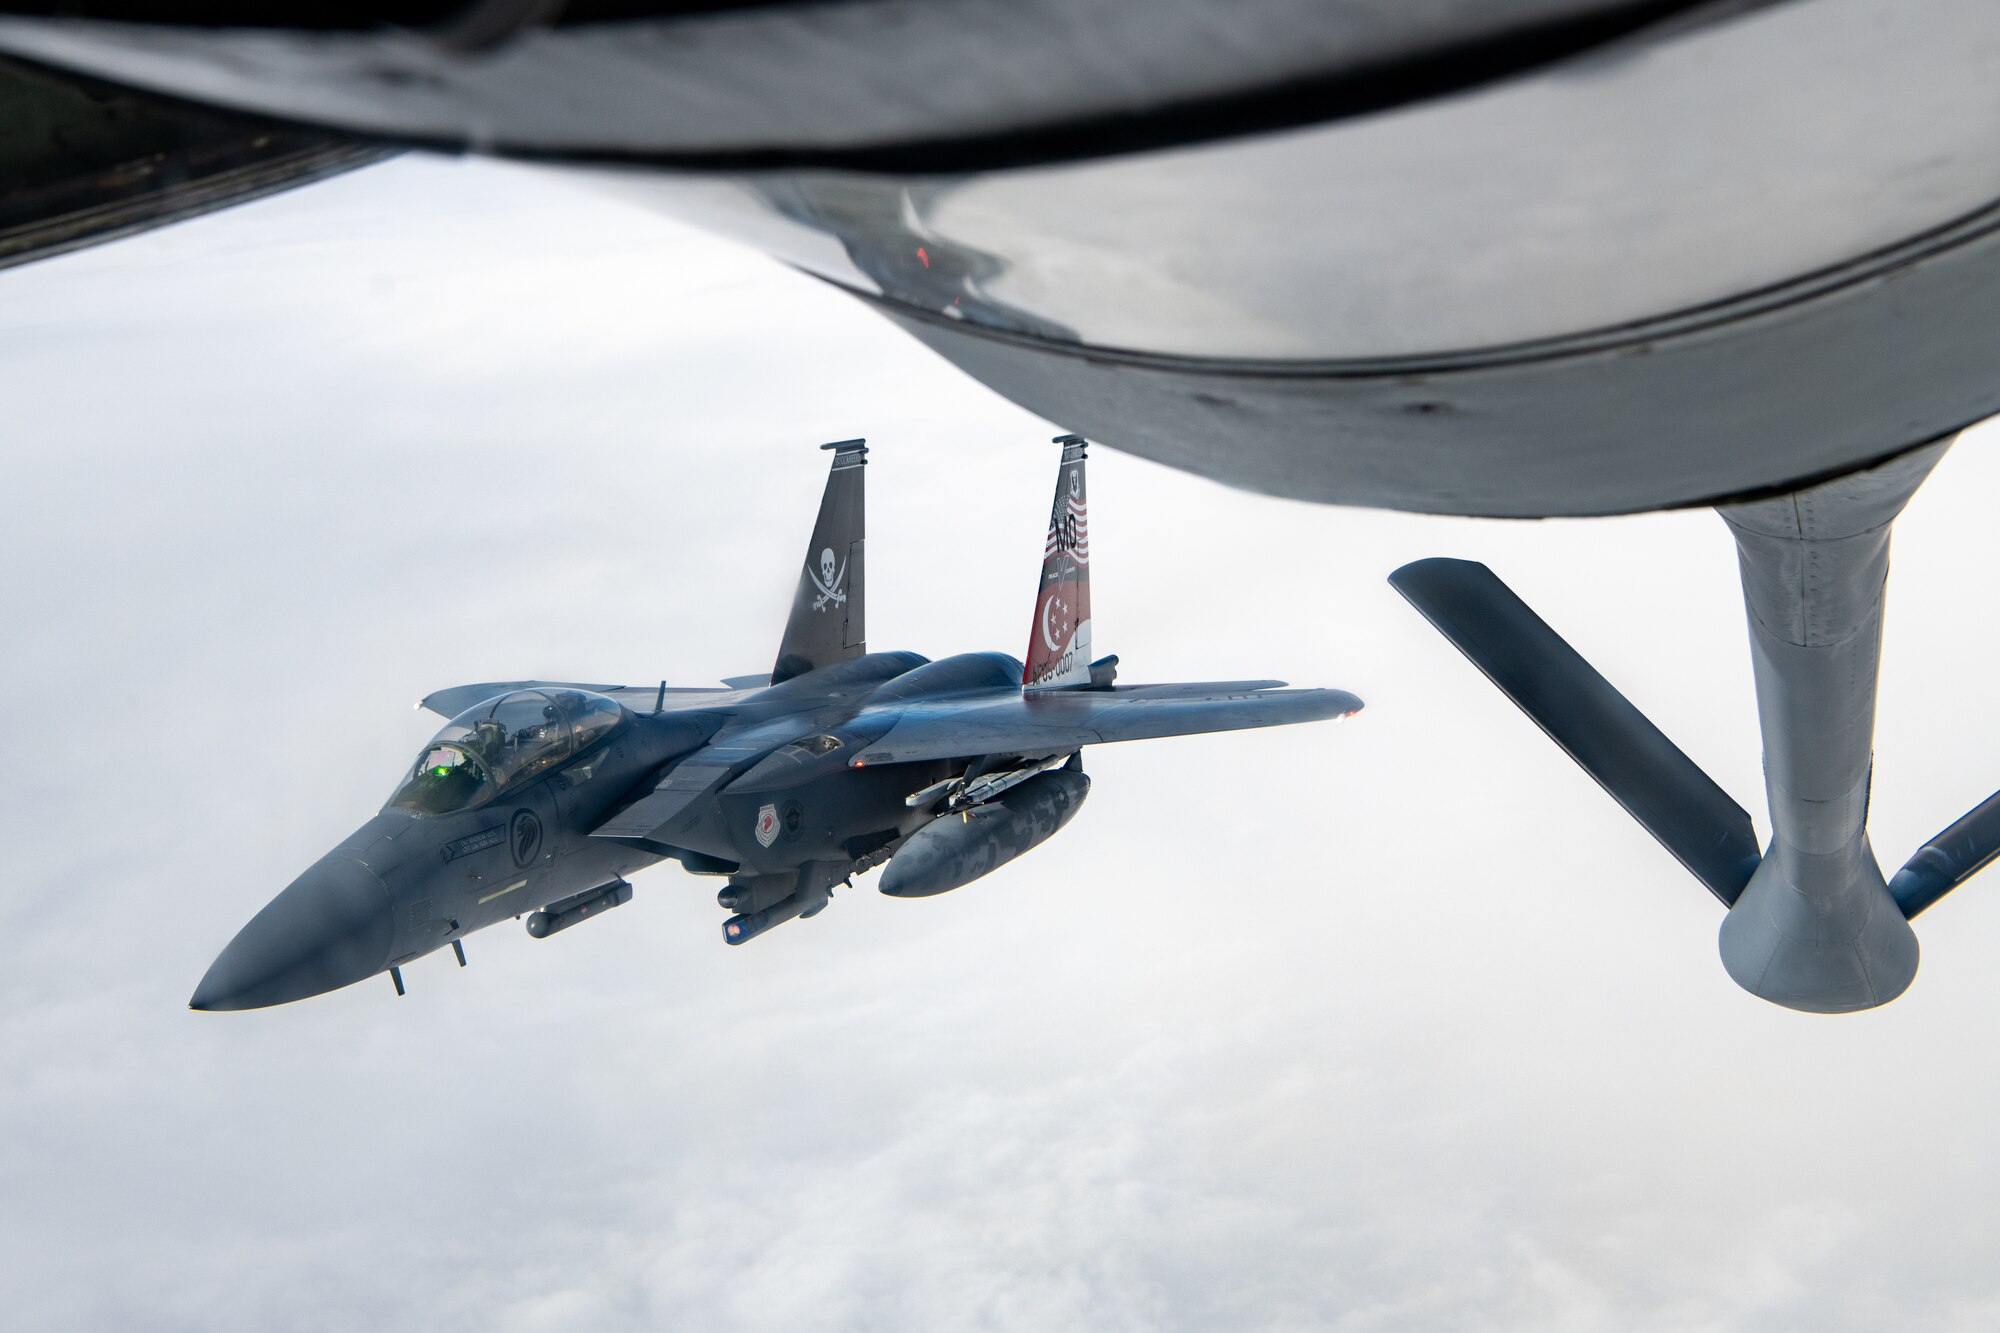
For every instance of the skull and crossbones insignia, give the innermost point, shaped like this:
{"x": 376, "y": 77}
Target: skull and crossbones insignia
{"x": 828, "y": 582}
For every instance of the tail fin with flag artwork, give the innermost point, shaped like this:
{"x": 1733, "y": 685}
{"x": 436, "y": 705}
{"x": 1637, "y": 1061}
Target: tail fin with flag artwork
{"x": 828, "y": 622}
{"x": 1059, "y": 643}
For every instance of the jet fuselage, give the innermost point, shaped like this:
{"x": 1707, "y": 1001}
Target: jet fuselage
{"x": 782, "y": 803}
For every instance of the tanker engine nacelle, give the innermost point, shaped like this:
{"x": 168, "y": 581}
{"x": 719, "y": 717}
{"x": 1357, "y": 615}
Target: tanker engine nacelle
{"x": 957, "y": 848}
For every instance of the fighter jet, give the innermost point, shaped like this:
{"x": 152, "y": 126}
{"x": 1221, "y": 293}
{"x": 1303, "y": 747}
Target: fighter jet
{"x": 537, "y": 798}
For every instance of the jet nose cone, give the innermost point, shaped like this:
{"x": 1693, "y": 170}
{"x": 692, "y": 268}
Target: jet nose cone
{"x": 333, "y": 926}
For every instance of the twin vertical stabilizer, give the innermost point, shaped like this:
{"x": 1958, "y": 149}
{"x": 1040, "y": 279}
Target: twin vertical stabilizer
{"x": 1059, "y": 642}
{"x": 828, "y": 623}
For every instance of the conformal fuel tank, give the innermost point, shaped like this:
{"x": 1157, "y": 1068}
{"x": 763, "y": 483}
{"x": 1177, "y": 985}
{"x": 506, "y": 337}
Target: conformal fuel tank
{"x": 953, "y": 850}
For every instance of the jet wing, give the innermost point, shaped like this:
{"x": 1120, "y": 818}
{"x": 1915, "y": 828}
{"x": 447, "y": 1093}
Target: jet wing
{"x": 1053, "y": 721}
{"x": 674, "y": 797}
{"x": 674, "y": 804}
{"x": 638, "y": 698}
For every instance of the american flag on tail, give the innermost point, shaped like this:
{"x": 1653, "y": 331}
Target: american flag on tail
{"x": 1059, "y": 641}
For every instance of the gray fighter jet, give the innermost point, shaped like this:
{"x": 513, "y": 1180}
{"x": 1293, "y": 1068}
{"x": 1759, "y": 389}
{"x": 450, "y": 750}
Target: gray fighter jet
{"x": 539, "y": 797}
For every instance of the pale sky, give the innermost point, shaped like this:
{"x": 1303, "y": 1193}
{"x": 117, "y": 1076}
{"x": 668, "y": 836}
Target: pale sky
{"x": 1396, "y": 1025}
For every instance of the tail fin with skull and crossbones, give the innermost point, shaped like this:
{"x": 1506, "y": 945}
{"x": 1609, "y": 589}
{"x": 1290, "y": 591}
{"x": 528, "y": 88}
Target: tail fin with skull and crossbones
{"x": 1059, "y": 641}
{"x": 827, "y": 621}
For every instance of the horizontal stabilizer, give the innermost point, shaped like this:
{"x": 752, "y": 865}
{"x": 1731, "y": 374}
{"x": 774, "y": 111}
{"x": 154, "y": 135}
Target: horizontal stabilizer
{"x": 1949, "y": 859}
{"x": 1583, "y": 713}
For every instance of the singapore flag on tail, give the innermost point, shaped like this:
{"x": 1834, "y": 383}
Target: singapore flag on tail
{"x": 1059, "y": 642}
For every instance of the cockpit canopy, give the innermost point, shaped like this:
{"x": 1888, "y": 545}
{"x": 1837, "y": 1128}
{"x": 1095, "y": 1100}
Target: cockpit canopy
{"x": 500, "y": 743}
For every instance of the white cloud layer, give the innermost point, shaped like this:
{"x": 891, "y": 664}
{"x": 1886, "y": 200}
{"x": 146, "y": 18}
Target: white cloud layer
{"x": 1399, "y": 1025}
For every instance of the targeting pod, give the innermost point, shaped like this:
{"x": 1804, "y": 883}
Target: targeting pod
{"x": 566, "y": 912}
{"x": 750, "y": 925}
{"x": 749, "y": 896}
{"x": 955, "y": 849}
